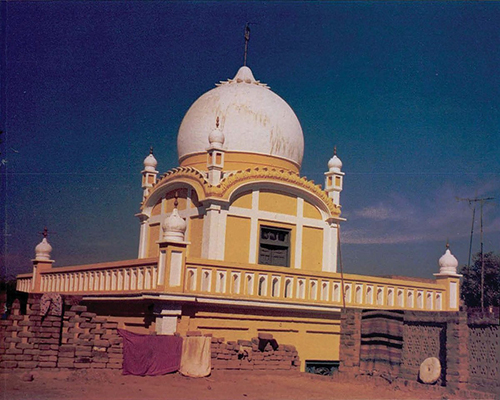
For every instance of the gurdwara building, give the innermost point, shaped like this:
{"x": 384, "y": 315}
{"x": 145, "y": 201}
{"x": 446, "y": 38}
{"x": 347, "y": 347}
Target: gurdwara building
{"x": 234, "y": 242}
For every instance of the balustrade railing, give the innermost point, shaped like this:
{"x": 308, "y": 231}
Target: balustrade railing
{"x": 139, "y": 275}
{"x": 297, "y": 286}
{"x": 257, "y": 282}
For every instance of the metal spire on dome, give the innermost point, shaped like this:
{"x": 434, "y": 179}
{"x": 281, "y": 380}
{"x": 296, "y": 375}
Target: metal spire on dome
{"x": 335, "y": 150}
{"x": 151, "y": 150}
{"x": 247, "y": 39}
{"x": 45, "y": 232}
{"x": 176, "y": 197}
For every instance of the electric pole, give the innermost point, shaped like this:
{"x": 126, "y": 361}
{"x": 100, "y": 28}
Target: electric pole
{"x": 481, "y": 203}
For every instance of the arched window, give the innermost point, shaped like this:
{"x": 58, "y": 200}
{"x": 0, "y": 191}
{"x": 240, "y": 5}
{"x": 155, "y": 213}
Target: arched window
{"x": 249, "y": 285}
{"x": 262, "y": 286}
{"x": 324, "y": 291}
{"x": 288, "y": 288}
{"x": 380, "y": 296}
{"x": 275, "y": 288}
{"x": 390, "y": 297}
{"x": 400, "y": 298}
{"x": 191, "y": 282}
{"x": 336, "y": 292}
{"x": 236, "y": 283}
{"x": 359, "y": 295}
{"x": 312, "y": 293}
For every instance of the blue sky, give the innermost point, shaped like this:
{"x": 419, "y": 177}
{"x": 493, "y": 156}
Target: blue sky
{"x": 408, "y": 92}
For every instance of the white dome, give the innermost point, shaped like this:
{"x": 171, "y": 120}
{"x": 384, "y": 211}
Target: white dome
{"x": 448, "y": 263}
{"x": 174, "y": 227}
{"x": 216, "y": 137}
{"x": 150, "y": 162}
{"x": 43, "y": 250}
{"x": 334, "y": 164}
{"x": 252, "y": 117}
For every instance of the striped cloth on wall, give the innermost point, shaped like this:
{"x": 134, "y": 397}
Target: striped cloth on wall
{"x": 381, "y": 341}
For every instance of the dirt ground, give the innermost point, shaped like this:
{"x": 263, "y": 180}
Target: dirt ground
{"x": 221, "y": 385}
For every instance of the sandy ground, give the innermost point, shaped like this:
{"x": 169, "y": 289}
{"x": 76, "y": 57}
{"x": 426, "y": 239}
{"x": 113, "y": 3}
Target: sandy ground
{"x": 221, "y": 385}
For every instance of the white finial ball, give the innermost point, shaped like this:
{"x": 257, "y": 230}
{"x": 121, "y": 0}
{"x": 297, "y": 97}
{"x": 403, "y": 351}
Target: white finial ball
{"x": 174, "y": 227}
{"x": 216, "y": 138}
{"x": 448, "y": 263}
{"x": 150, "y": 163}
{"x": 335, "y": 164}
{"x": 43, "y": 250}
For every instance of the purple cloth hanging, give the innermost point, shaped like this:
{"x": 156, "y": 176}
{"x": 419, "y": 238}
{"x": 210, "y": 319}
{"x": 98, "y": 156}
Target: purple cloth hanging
{"x": 149, "y": 354}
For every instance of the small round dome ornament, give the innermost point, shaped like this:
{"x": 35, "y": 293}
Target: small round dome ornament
{"x": 43, "y": 249}
{"x": 216, "y": 137}
{"x": 335, "y": 164}
{"x": 448, "y": 263}
{"x": 174, "y": 227}
{"x": 150, "y": 162}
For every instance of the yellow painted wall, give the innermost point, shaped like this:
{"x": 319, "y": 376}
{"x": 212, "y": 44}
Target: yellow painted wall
{"x": 277, "y": 202}
{"x": 195, "y": 236}
{"x": 243, "y": 200}
{"x": 237, "y": 239}
{"x": 310, "y": 211}
{"x": 315, "y": 337}
{"x": 153, "y": 236}
{"x": 156, "y": 208}
{"x": 312, "y": 249}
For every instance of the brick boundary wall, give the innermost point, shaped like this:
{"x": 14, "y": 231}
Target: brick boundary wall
{"x": 245, "y": 354}
{"x": 77, "y": 339}
{"x": 81, "y": 339}
{"x": 456, "y": 363}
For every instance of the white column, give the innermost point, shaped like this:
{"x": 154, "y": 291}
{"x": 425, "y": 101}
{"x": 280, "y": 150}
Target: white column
{"x": 214, "y": 233}
{"x": 298, "y": 233}
{"x": 254, "y": 227}
{"x": 166, "y": 318}
{"x": 143, "y": 235}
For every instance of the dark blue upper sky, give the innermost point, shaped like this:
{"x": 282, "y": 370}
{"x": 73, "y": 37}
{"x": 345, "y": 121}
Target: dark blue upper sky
{"x": 408, "y": 91}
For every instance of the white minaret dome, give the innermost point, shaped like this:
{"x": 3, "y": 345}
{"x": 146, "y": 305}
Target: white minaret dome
{"x": 150, "y": 162}
{"x": 253, "y": 118}
{"x": 448, "y": 263}
{"x": 43, "y": 250}
{"x": 216, "y": 137}
{"x": 335, "y": 164}
{"x": 174, "y": 227}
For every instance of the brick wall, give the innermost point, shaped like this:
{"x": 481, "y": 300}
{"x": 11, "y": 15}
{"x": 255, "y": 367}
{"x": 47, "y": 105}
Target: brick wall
{"x": 245, "y": 354}
{"x": 467, "y": 346}
{"x": 350, "y": 341}
{"x": 76, "y": 339}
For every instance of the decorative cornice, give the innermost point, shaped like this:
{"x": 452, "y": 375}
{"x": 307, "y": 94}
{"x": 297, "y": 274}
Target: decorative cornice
{"x": 235, "y": 179}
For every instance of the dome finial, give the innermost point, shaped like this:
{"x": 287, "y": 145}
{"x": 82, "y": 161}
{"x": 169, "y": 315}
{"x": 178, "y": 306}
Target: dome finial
{"x": 247, "y": 39}
{"x": 335, "y": 164}
{"x": 216, "y": 137}
{"x": 448, "y": 263}
{"x": 174, "y": 227}
{"x": 43, "y": 249}
{"x": 176, "y": 197}
{"x": 150, "y": 162}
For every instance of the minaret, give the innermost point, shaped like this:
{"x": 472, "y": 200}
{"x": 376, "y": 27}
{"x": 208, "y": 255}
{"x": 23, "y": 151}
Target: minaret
{"x": 149, "y": 173}
{"x": 334, "y": 178}
{"x": 215, "y": 159}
